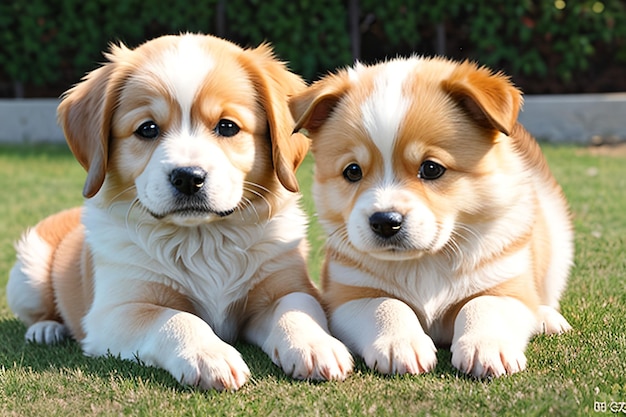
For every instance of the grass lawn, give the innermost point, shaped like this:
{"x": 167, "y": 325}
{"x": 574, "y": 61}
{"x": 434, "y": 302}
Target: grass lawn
{"x": 572, "y": 374}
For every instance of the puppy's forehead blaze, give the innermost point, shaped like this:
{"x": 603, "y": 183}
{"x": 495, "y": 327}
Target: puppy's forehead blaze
{"x": 186, "y": 84}
{"x": 181, "y": 68}
{"x": 181, "y": 87}
{"x": 401, "y": 116}
{"x": 370, "y": 117}
{"x": 414, "y": 119}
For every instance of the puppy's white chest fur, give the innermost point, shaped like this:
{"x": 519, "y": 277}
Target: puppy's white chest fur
{"x": 428, "y": 285}
{"x": 213, "y": 265}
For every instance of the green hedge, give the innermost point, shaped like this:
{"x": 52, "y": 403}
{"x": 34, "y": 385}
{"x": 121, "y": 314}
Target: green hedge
{"x": 541, "y": 42}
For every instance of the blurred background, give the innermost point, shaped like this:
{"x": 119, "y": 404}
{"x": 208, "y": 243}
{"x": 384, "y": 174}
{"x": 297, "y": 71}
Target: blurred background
{"x": 547, "y": 46}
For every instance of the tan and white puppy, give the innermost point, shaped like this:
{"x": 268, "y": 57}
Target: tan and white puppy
{"x": 191, "y": 235}
{"x": 445, "y": 225}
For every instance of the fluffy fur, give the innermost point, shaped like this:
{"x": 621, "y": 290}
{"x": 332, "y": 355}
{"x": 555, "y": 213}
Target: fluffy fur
{"x": 191, "y": 235}
{"x": 445, "y": 226}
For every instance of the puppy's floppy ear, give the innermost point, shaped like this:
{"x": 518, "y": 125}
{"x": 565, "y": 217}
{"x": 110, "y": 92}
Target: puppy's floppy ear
{"x": 275, "y": 84}
{"x": 312, "y": 108}
{"x": 85, "y": 115}
{"x": 490, "y": 99}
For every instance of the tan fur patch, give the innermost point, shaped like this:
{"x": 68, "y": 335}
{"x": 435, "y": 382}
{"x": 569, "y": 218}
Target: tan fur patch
{"x": 72, "y": 280}
{"x": 54, "y": 228}
{"x": 335, "y": 294}
{"x": 292, "y": 278}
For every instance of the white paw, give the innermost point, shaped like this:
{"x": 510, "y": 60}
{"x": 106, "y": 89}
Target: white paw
{"x": 309, "y": 353}
{"x": 47, "y": 332}
{"x": 216, "y": 366}
{"x": 551, "y": 321}
{"x": 484, "y": 357}
{"x": 415, "y": 354}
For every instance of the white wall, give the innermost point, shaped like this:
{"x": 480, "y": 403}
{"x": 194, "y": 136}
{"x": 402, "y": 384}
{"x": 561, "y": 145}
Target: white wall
{"x": 29, "y": 120}
{"x": 556, "y": 118}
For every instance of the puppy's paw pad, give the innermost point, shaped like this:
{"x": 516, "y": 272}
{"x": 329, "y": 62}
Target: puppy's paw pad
{"x": 46, "y": 332}
{"x": 415, "y": 355}
{"x": 487, "y": 358}
{"x": 220, "y": 368}
{"x": 331, "y": 360}
{"x": 551, "y": 321}
{"x": 319, "y": 358}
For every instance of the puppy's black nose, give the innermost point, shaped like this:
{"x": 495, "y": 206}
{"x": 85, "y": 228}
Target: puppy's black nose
{"x": 386, "y": 223}
{"x": 188, "y": 180}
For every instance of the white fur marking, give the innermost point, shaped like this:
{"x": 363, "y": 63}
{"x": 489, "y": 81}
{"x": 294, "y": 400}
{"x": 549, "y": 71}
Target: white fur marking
{"x": 222, "y": 261}
{"x": 490, "y": 336}
{"x": 29, "y": 277}
{"x": 183, "y": 69}
{"x": 312, "y": 353}
{"x": 562, "y": 245}
{"x": 385, "y": 109}
{"x": 392, "y": 341}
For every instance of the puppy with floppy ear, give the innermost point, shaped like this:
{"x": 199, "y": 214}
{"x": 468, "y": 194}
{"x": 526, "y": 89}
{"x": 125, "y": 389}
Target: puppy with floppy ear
{"x": 445, "y": 226}
{"x": 191, "y": 235}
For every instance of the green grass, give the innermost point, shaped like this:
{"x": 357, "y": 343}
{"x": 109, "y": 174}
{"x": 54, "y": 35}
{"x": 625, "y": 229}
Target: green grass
{"x": 565, "y": 375}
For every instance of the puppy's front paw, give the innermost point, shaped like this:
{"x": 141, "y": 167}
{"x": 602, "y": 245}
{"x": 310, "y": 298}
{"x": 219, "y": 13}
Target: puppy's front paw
{"x": 46, "y": 332}
{"x": 415, "y": 354}
{"x": 310, "y": 353}
{"x": 484, "y": 357}
{"x": 551, "y": 321}
{"x": 216, "y": 366}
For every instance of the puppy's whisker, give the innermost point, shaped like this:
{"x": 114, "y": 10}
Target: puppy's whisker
{"x": 468, "y": 234}
{"x": 121, "y": 193}
{"x": 246, "y": 202}
{"x": 135, "y": 204}
{"x": 117, "y": 199}
{"x": 340, "y": 232}
{"x": 243, "y": 204}
{"x": 260, "y": 195}
{"x": 340, "y": 238}
{"x": 455, "y": 250}
{"x": 260, "y": 187}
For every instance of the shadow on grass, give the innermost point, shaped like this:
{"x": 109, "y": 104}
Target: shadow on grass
{"x": 16, "y": 353}
{"x": 443, "y": 368}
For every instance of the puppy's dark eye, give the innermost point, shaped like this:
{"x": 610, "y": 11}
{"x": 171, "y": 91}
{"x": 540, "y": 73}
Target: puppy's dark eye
{"x": 353, "y": 173}
{"x": 148, "y": 130}
{"x": 430, "y": 170}
{"x": 226, "y": 128}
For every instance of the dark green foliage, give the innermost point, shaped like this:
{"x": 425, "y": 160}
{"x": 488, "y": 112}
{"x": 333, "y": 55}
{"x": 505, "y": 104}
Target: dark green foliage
{"x": 48, "y": 42}
{"x": 546, "y": 45}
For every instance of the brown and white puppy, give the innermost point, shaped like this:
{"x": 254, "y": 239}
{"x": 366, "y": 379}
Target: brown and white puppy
{"x": 445, "y": 225}
{"x": 191, "y": 234}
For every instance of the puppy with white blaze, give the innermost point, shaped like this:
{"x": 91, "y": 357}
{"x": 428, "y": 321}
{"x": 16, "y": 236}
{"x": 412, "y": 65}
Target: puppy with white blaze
{"x": 445, "y": 226}
{"x": 191, "y": 235}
